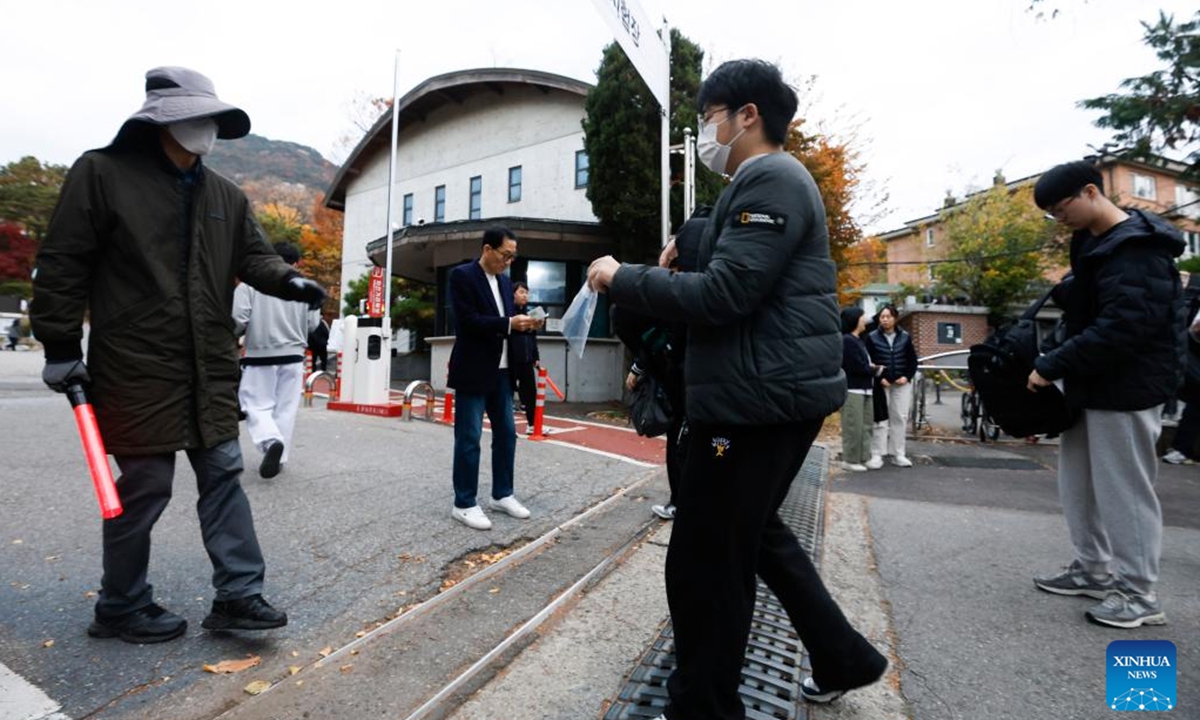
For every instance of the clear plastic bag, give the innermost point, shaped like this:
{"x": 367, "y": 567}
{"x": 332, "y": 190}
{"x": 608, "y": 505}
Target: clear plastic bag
{"x": 577, "y": 320}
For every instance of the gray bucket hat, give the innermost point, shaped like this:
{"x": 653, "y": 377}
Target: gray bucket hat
{"x": 176, "y": 94}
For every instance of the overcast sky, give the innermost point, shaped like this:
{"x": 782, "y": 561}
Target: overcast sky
{"x": 939, "y": 93}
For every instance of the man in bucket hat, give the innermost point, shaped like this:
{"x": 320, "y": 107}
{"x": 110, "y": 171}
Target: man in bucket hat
{"x": 151, "y": 243}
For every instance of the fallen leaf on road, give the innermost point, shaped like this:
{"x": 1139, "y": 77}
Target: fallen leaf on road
{"x": 256, "y": 687}
{"x": 18, "y": 542}
{"x": 90, "y": 594}
{"x": 48, "y": 644}
{"x": 494, "y": 590}
{"x": 346, "y": 668}
{"x": 52, "y": 558}
{"x": 233, "y": 666}
{"x": 295, "y": 653}
{"x": 293, "y": 669}
{"x": 325, "y": 651}
{"x": 299, "y": 683}
{"x": 360, "y": 633}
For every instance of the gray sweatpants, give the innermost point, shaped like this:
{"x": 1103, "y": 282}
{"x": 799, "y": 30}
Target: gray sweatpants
{"x": 1107, "y": 467}
{"x": 226, "y": 526}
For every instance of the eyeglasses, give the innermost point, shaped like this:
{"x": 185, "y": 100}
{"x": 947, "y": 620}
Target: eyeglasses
{"x": 706, "y": 117}
{"x": 1059, "y": 209}
{"x": 506, "y": 254}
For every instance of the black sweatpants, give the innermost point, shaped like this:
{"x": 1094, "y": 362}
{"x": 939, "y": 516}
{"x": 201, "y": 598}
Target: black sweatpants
{"x": 524, "y": 379}
{"x": 726, "y": 531}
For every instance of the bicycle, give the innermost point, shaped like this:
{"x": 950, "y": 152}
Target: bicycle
{"x": 918, "y": 417}
{"x": 975, "y": 418}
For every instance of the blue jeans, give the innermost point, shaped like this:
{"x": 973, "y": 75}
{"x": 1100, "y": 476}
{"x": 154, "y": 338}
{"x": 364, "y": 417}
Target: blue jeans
{"x": 468, "y": 427}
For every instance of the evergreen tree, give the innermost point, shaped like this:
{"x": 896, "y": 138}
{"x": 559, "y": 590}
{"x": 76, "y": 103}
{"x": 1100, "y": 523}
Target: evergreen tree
{"x": 622, "y": 127}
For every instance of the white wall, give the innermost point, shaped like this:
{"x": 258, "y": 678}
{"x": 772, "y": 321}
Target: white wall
{"x": 485, "y": 136}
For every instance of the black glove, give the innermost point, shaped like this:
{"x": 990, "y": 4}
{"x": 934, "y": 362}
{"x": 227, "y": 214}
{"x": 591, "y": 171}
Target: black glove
{"x": 301, "y": 289}
{"x": 60, "y": 374}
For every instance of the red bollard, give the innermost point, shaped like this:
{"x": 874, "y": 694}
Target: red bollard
{"x": 97, "y": 458}
{"x": 337, "y": 379}
{"x": 448, "y": 407}
{"x": 539, "y": 411}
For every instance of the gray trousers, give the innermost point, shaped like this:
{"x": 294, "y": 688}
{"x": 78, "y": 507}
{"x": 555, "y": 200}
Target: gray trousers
{"x": 225, "y": 525}
{"x": 857, "y": 421}
{"x": 1107, "y": 467}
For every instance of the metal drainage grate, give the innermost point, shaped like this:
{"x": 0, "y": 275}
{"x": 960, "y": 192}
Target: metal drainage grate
{"x": 772, "y": 664}
{"x": 986, "y": 463}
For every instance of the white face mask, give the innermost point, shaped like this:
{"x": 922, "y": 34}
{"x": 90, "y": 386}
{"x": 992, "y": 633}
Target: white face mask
{"x": 196, "y": 136}
{"x": 713, "y": 155}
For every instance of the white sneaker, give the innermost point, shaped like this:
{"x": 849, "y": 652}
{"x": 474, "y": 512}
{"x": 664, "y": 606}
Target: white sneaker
{"x": 874, "y": 463}
{"x": 1177, "y": 458}
{"x": 510, "y": 506}
{"x": 854, "y": 467}
{"x": 472, "y": 517}
{"x": 901, "y": 461}
{"x": 666, "y": 512}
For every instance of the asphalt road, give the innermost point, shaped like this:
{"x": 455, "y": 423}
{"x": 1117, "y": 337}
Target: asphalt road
{"x": 354, "y": 529}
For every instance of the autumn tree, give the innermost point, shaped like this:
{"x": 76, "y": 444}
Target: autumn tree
{"x": 414, "y": 304}
{"x": 999, "y": 247}
{"x": 17, "y": 250}
{"x": 28, "y": 193}
{"x": 622, "y": 129}
{"x": 280, "y": 222}
{"x": 865, "y": 263}
{"x": 836, "y": 168}
{"x": 1160, "y": 110}
{"x": 321, "y": 249}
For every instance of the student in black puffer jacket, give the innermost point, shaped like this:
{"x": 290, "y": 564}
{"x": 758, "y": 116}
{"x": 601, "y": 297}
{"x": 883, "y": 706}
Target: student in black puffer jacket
{"x": 1123, "y": 357}
{"x": 892, "y": 348}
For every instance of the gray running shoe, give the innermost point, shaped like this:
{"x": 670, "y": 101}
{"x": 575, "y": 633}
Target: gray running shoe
{"x": 1076, "y": 581}
{"x": 1124, "y": 608}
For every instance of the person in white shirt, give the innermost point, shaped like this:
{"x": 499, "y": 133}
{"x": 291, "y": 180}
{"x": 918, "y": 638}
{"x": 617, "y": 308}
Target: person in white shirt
{"x": 484, "y": 317}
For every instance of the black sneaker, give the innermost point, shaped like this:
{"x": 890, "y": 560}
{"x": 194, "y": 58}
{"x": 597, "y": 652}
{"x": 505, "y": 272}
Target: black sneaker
{"x": 875, "y": 666}
{"x": 151, "y": 624}
{"x": 248, "y": 613}
{"x": 270, "y": 462}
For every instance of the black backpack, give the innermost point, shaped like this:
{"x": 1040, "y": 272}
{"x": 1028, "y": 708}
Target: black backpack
{"x": 999, "y": 369}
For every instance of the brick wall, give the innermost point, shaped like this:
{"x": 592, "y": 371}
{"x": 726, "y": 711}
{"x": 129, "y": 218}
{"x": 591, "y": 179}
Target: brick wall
{"x": 923, "y": 325}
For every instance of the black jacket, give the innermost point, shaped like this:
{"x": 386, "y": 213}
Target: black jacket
{"x": 522, "y": 345}
{"x": 153, "y": 254}
{"x": 1124, "y": 346}
{"x": 856, "y": 362}
{"x": 480, "y": 330}
{"x": 899, "y": 358}
{"x": 763, "y": 343}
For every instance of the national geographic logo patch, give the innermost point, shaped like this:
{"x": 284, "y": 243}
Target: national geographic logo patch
{"x": 766, "y": 221}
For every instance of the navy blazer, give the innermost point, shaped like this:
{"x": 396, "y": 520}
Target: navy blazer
{"x": 480, "y": 330}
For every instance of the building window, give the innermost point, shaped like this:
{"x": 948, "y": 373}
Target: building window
{"x": 581, "y": 169}
{"x": 928, "y": 237}
{"x": 949, "y": 333}
{"x": 929, "y": 273}
{"x": 547, "y": 282}
{"x": 439, "y": 203}
{"x": 408, "y": 205}
{"x": 1143, "y": 187}
{"x": 476, "y": 198}
{"x": 514, "y": 184}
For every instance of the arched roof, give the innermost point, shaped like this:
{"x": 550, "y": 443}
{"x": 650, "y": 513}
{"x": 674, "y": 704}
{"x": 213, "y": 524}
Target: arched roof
{"x": 434, "y": 93}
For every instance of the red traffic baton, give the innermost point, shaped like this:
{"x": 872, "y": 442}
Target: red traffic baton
{"x": 93, "y": 449}
{"x": 554, "y": 387}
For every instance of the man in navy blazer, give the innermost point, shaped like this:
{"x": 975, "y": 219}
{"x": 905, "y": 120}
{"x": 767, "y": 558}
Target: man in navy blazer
{"x": 482, "y": 297}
